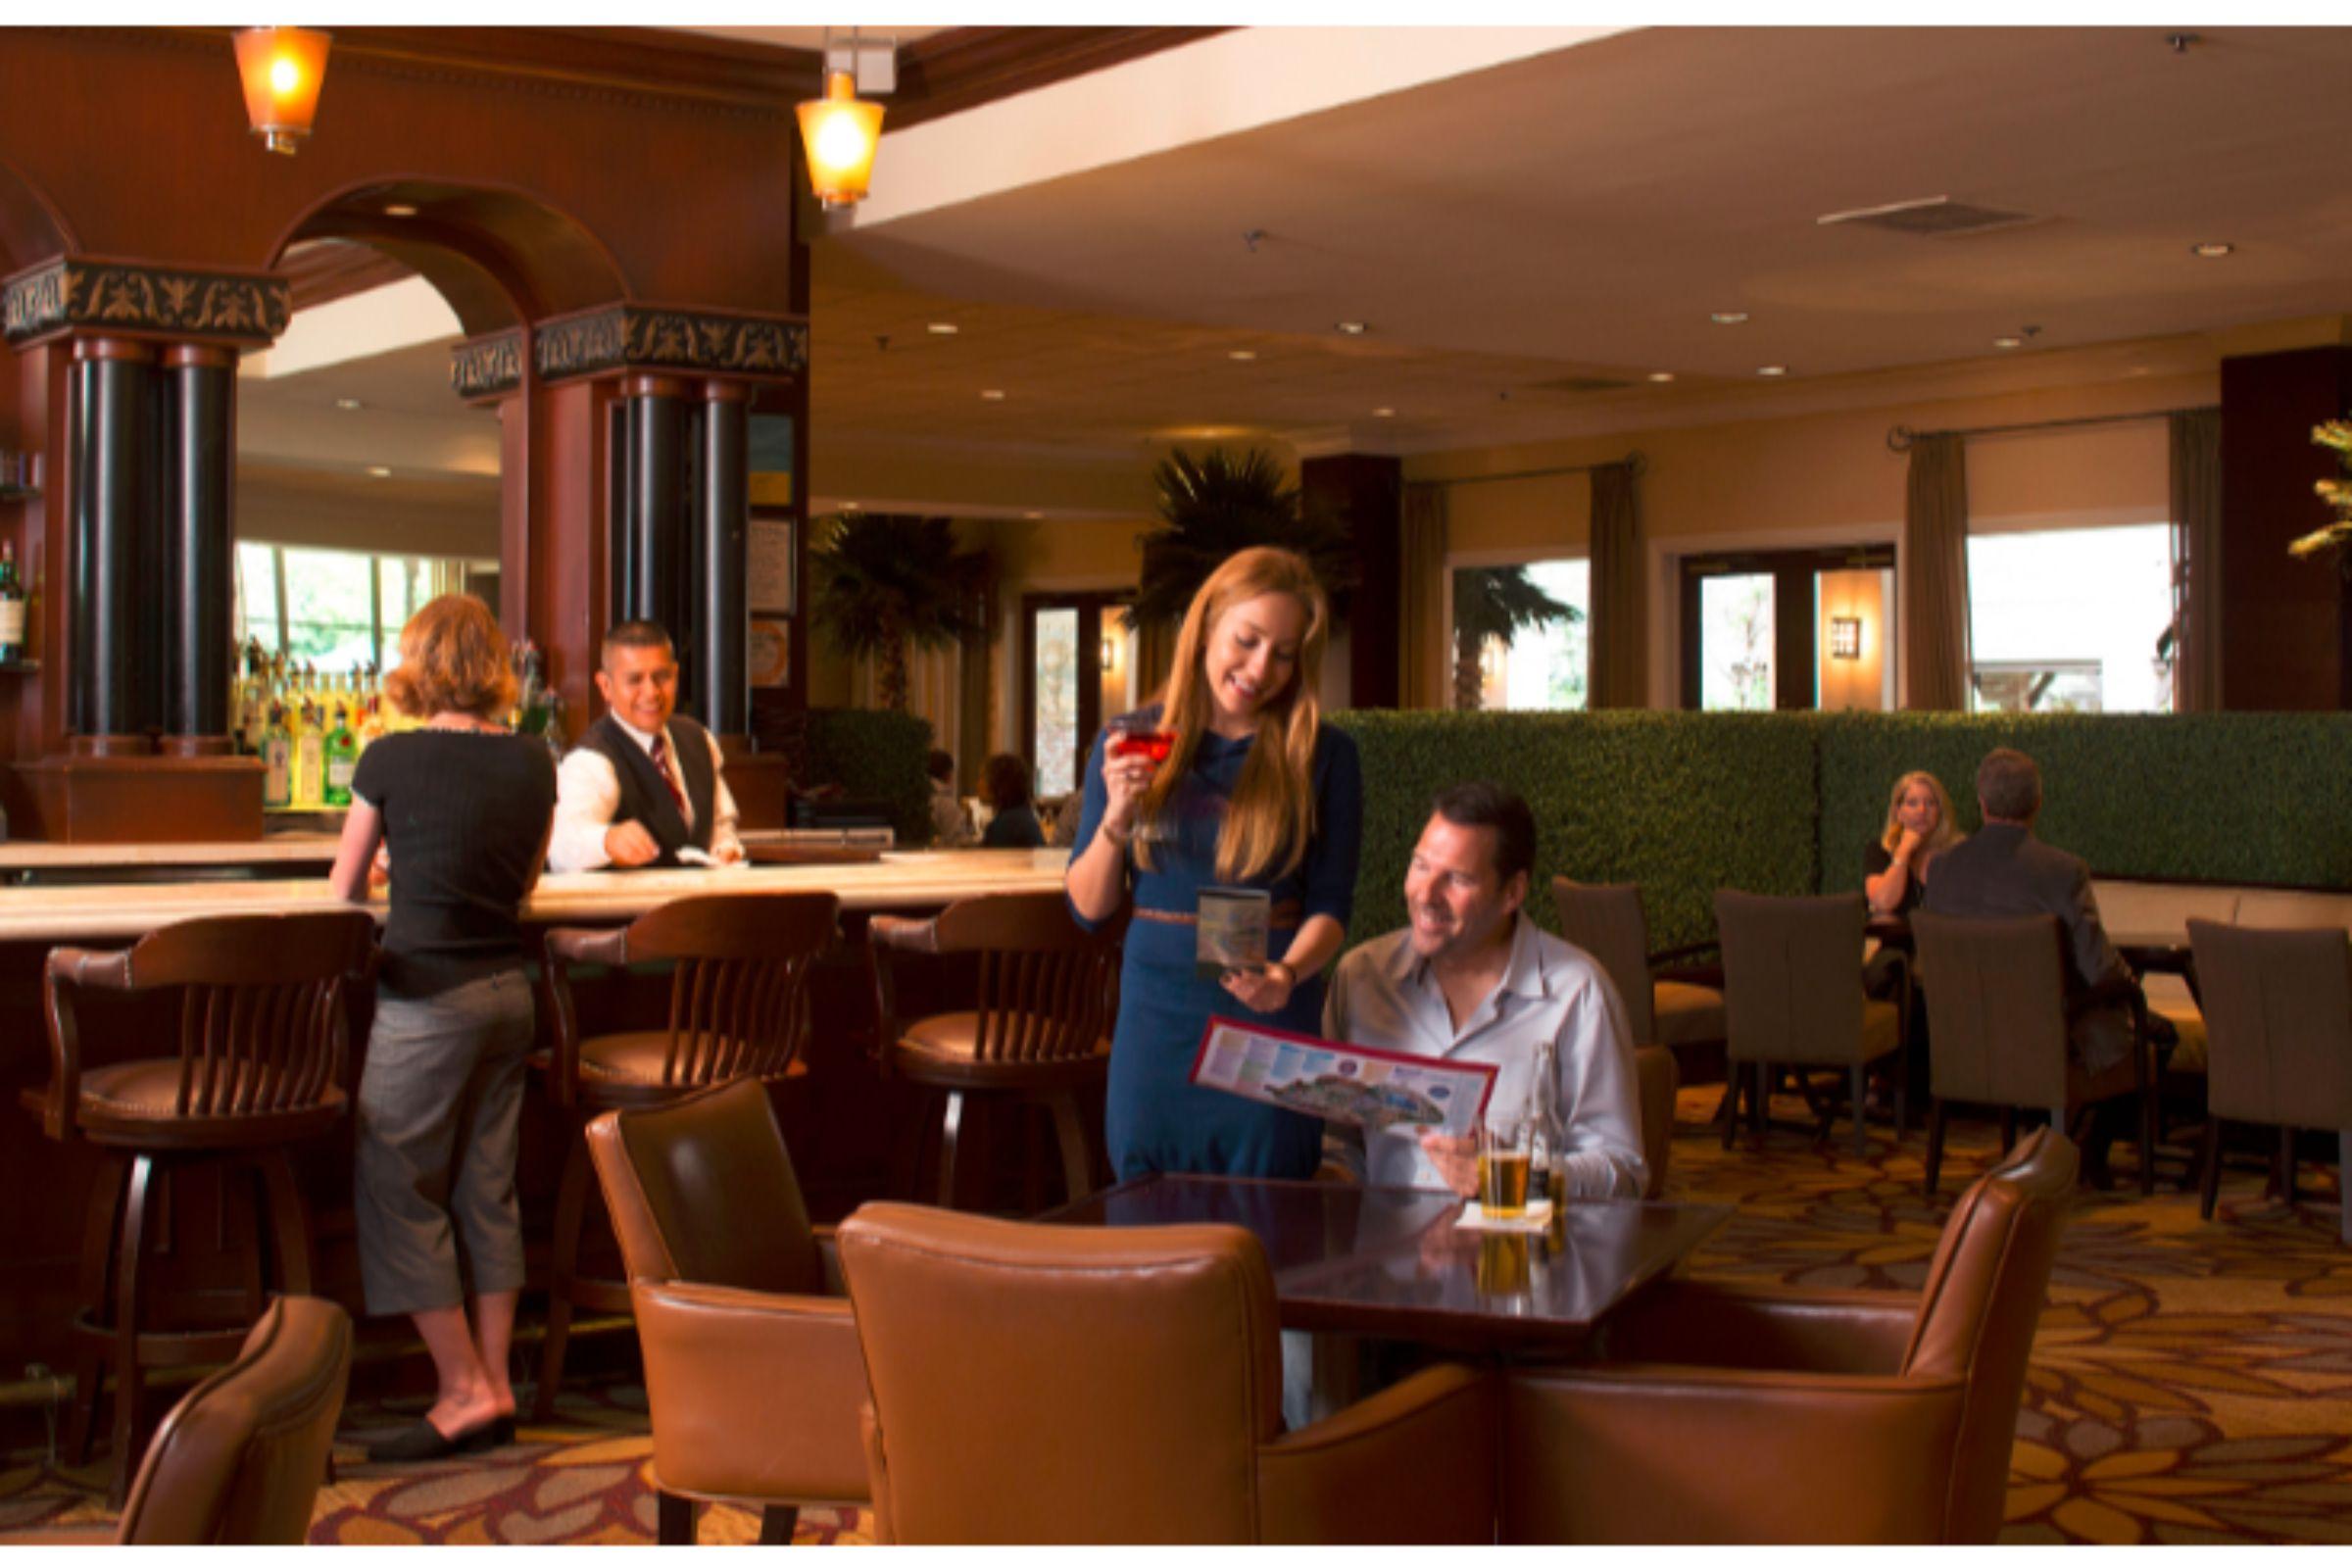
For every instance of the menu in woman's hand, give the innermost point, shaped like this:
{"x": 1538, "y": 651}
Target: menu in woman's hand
{"x": 1357, "y": 1084}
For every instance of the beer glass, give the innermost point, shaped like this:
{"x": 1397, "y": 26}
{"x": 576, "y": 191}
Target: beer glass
{"x": 1504, "y": 1161}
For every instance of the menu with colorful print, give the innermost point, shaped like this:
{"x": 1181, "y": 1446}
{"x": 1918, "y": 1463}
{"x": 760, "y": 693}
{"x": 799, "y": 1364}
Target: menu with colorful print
{"x": 1361, "y": 1085}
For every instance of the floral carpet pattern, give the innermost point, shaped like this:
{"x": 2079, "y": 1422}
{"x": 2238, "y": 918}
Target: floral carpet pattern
{"x": 2191, "y": 1382}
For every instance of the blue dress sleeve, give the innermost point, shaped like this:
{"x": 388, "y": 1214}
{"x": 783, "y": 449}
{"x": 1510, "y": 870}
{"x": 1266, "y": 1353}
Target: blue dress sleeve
{"x": 1096, "y": 800}
{"x": 1329, "y": 870}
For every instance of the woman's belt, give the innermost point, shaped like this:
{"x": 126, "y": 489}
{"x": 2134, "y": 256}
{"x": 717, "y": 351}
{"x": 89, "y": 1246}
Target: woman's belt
{"x": 1283, "y": 916}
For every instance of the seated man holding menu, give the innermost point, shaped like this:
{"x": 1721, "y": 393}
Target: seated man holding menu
{"x": 644, "y": 783}
{"x": 1472, "y": 979}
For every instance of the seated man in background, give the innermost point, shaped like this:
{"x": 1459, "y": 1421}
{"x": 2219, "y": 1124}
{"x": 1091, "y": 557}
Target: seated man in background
{"x": 1012, "y": 824}
{"x": 950, "y": 828}
{"x": 1473, "y": 979}
{"x": 645, "y": 782}
{"x": 2003, "y": 870}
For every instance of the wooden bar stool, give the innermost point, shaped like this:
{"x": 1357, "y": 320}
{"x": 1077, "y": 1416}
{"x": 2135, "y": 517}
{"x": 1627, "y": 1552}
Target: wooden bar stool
{"x": 738, "y": 1009}
{"x": 262, "y": 1045}
{"x": 1041, "y": 1033}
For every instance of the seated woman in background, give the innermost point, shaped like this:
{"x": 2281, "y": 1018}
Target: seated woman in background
{"x": 1004, "y": 785}
{"x": 1919, "y": 827}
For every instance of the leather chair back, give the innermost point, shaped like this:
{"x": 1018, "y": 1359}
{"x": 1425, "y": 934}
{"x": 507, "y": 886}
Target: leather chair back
{"x": 2278, "y": 1009}
{"x": 239, "y": 1461}
{"x": 1037, "y": 1383}
{"x": 1791, "y": 976}
{"x": 1997, "y": 1009}
{"x": 1660, "y": 1080}
{"x": 1976, "y": 1313}
{"x": 703, "y": 1189}
{"x": 1606, "y": 920}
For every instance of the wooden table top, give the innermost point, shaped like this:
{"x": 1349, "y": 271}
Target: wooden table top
{"x": 1389, "y": 1261}
{"x": 920, "y": 879}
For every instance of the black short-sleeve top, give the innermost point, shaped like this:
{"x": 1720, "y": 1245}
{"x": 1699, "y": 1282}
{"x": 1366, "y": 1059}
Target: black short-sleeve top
{"x": 1875, "y": 862}
{"x": 466, "y": 815}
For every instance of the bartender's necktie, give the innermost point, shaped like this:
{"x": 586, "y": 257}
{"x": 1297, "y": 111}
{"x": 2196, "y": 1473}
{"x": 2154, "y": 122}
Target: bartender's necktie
{"x": 669, "y": 778}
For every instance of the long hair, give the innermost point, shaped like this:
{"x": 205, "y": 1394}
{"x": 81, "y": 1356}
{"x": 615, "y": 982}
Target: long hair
{"x": 1272, "y": 814}
{"x": 1947, "y": 832}
{"x": 453, "y": 657}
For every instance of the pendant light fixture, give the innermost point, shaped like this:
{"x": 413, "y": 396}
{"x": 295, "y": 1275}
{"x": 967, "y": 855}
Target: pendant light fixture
{"x": 283, "y": 70}
{"x": 839, "y": 132}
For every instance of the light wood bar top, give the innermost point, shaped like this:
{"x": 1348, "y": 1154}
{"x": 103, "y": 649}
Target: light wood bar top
{"x": 915, "y": 879}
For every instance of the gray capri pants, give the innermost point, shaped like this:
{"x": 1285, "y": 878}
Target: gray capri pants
{"x": 439, "y": 1112}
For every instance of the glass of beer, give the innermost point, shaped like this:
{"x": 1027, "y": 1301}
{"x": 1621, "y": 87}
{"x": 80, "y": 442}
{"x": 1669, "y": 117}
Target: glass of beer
{"x": 1504, "y": 1167}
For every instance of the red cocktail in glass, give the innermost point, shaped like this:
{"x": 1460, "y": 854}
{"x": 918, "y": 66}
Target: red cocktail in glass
{"x": 1155, "y": 744}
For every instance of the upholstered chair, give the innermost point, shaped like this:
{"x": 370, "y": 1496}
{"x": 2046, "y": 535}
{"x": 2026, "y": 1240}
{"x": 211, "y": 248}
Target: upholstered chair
{"x": 2278, "y": 1042}
{"x": 238, "y": 1461}
{"x": 752, "y": 1373}
{"x": 1664, "y": 1005}
{"x": 1050, "y": 1384}
{"x": 1660, "y": 1081}
{"x": 1794, "y": 997}
{"x": 1737, "y": 1415}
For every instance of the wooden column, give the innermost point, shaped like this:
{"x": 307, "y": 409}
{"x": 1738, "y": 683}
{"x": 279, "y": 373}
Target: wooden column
{"x": 654, "y": 582}
{"x": 113, "y": 493}
{"x": 199, "y": 465}
{"x": 725, "y": 703}
{"x": 1367, "y": 492}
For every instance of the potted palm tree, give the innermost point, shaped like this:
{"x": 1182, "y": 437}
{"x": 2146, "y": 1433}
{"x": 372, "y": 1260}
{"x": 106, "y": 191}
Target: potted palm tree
{"x": 1216, "y": 503}
{"x": 2336, "y": 434}
{"x": 1497, "y": 603}
{"x": 885, "y": 581}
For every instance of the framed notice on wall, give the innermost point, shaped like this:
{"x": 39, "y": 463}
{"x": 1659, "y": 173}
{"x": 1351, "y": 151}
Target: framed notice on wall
{"x": 767, "y": 651}
{"x": 771, "y": 586}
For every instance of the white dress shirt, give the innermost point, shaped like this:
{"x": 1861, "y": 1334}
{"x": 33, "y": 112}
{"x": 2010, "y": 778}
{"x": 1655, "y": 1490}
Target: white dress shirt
{"x": 1383, "y": 995}
{"x": 588, "y": 793}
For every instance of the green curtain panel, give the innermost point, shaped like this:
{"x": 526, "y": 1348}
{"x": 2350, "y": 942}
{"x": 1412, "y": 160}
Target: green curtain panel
{"x": 1935, "y": 573}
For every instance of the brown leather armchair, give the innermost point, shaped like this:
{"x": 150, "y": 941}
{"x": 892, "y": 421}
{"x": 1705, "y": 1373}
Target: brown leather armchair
{"x": 1050, "y": 1384}
{"x": 751, "y": 1373}
{"x": 238, "y": 1461}
{"x": 1724, "y": 1414}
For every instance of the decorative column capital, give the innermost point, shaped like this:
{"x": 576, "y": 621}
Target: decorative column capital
{"x": 487, "y": 366}
{"x": 82, "y": 294}
{"x": 660, "y": 337}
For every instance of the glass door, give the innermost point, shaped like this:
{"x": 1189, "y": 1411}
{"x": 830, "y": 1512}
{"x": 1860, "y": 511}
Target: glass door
{"x": 1788, "y": 629}
{"x": 1074, "y": 652}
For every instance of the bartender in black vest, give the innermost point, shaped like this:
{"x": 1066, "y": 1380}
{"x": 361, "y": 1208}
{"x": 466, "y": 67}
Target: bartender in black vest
{"x": 644, "y": 783}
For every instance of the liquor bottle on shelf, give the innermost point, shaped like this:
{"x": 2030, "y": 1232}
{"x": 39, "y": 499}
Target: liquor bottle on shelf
{"x": 310, "y": 757}
{"x": 277, "y": 761}
{"x": 371, "y": 722}
{"x": 12, "y": 607}
{"x": 342, "y": 758}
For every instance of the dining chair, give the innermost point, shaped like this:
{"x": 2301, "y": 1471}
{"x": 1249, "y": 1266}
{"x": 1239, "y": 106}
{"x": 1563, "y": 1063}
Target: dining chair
{"x": 2278, "y": 1044}
{"x": 1665, "y": 1005}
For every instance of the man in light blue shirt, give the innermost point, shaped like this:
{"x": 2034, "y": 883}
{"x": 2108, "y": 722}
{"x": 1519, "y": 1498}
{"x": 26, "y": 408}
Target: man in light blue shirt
{"x": 1472, "y": 979}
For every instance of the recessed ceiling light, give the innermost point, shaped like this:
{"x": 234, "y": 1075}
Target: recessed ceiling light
{"x": 943, "y": 329}
{"x": 1033, "y": 515}
{"x": 1240, "y": 353}
{"x": 350, "y": 405}
{"x": 2212, "y": 250}
{"x": 991, "y": 395}
{"x": 2008, "y": 342}
{"x": 1772, "y": 370}
{"x": 1383, "y": 414}
{"x": 399, "y": 210}
{"x": 1728, "y": 317}
{"x": 379, "y": 473}
{"x": 1352, "y": 328}
{"x": 848, "y": 506}
{"x": 1661, "y": 375}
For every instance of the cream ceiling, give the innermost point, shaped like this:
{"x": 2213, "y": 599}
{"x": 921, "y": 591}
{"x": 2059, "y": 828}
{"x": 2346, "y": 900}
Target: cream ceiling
{"x": 1576, "y": 216}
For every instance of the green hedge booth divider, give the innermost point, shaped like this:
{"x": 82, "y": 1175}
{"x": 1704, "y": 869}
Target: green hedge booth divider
{"x": 2194, "y": 797}
{"x": 876, "y": 756}
{"x": 1681, "y": 803}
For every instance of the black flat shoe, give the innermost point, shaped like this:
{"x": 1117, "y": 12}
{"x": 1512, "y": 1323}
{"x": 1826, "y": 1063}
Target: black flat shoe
{"x": 424, "y": 1441}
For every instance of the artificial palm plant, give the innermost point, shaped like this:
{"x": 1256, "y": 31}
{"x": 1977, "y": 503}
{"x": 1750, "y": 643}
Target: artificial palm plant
{"x": 884, "y": 581}
{"x": 2337, "y": 493}
{"x": 1499, "y": 603}
{"x": 1216, "y": 503}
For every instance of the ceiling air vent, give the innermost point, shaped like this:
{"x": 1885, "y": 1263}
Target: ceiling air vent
{"x": 1580, "y": 386}
{"x": 1936, "y": 216}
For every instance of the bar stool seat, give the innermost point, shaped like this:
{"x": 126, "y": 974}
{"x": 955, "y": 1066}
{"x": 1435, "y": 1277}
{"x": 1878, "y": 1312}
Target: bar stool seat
{"x": 261, "y": 1047}
{"x": 737, "y": 1009}
{"x": 946, "y": 1049}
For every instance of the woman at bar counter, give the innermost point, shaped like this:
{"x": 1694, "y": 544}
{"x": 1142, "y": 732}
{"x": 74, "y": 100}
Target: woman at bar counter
{"x": 1919, "y": 827}
{"x": 464, "y": 807}
{"x": 1256, "y": 792}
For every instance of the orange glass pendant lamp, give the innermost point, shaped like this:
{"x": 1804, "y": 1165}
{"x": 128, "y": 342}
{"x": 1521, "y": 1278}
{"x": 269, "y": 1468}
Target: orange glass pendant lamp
{"x": 840, "y": 133}
{"x": 283, "y": 70}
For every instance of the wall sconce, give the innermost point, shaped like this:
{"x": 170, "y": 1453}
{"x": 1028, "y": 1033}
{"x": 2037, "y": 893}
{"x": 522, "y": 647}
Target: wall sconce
{"x": 1845, "y": 637}
{"x": 283, "y": 70}
{"x": 1111, "y": 653}
{"x": 841, "y": 131}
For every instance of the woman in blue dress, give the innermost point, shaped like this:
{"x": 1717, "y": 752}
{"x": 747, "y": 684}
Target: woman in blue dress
{"x": 1258, "y": 793}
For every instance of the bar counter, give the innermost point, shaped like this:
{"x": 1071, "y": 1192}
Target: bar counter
{"x": 913, "y": 880}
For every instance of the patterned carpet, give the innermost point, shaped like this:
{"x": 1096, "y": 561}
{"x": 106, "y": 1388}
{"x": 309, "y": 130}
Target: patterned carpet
{"x": 2189, "y": 1384}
